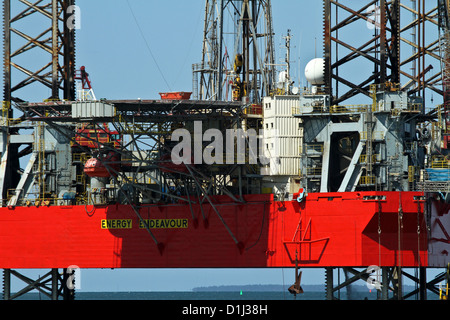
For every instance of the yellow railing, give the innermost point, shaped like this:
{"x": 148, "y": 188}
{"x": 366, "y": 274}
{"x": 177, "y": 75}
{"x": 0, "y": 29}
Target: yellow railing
{"x": 81, "y": 178}
{"x": 411, "y": 173}
{"x": 254, "y": 109}
{"x": 363, "y": 158}
{"x": 440, "y": 162}
{"x": 376, "y": 135}
{"x": 364, "y": 180}
{"x": 442, "y": 295}
{"x": 80, "y": 157}
{"x": 441, "y": 120}
{"x": 414, "y": 107}
{"x": 313, "y": 171}
{"x": 409, "y": 108}
{"x": 5, "y": 120}
{"x": 50, "y": 201}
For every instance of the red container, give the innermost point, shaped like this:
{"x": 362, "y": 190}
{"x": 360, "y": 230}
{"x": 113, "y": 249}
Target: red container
{"x": 175, "y": 95}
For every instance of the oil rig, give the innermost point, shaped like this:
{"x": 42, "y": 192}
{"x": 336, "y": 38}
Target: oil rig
{"x": 248, "y": 170}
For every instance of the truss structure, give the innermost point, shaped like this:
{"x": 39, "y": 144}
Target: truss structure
{"x": 22, "y": 46}
{"x": 38, "y": 53}
{"x": 236, "y": 27}
{"x": 402, "y": 53}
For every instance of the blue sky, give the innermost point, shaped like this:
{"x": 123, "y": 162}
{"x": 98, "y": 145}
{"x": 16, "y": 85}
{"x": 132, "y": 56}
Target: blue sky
{"x": 110, "y": 45}
{"x": 113, "y": 50}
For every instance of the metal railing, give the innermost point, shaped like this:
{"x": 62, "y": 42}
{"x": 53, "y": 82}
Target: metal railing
{"x": 357, "y": 108}
{"x": 367, "y": 180}
{"x": 412, "y": 108}
{"x": 80, "y": 157}
{"x": 440, "y": 162}
{"x": 311, "y": 148}
{"x": 376, "y": 135}
{"x": 253, "y": 109}
{"x": 363, "y": 158}
{"x": 310, "y": 171}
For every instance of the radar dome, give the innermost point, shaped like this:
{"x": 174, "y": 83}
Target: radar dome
{"x": 314, "y": 72}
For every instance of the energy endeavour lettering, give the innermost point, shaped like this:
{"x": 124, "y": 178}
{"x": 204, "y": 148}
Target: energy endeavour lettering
{"x": 116, "y": 223}
{"x": 165, "y": 223}
{"x": 150, "y": 223}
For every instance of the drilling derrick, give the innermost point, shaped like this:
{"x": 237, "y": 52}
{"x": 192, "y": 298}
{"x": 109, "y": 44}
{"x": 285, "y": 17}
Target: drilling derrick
{"x": 237, "y": 51}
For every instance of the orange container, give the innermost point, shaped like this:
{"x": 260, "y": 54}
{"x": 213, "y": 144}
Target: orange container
{"x": 175, "y": 95}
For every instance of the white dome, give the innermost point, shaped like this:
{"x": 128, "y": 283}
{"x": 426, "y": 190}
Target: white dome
{"x": 314, "y": 71}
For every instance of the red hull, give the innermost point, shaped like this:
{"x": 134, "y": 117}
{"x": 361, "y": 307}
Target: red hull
{"x": 326, "y": 229}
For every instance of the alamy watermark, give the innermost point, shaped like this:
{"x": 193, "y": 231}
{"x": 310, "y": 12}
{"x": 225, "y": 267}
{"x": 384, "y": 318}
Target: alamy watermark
{"x": 74, "y": 279}
{"x": 74, "y": 19}
{"x": 374, "y": 279}
{"x": 234, "y": 146}
{"x": 373, "y": 17}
